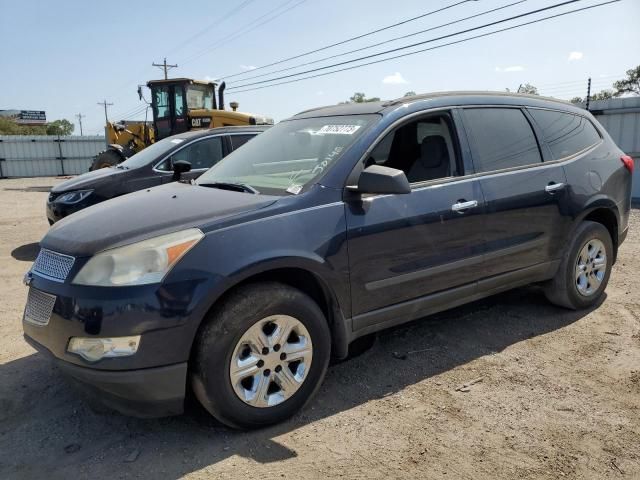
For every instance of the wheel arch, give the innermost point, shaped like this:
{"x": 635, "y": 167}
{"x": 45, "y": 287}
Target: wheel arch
{"x": 300, "y": 277}
{"x": 604, "y": 212}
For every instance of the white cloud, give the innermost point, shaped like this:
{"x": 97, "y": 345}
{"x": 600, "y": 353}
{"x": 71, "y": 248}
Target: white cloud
{"x": 573, "y": 56}
{"x": 395, "y": 79}
{"x": 211, "y": 79}
{"x": 511, "y": 68}
{"x": 247, "y": 67}
{"x": 319, "y": 92}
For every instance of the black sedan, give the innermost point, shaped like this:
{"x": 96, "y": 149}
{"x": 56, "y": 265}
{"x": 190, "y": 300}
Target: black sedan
{"x": 151, "y": 167}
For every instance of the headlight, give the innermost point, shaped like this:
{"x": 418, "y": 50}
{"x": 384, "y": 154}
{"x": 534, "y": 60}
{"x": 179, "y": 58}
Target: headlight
{"x": 73, "y": 197}
{"x": 139, "y": 263}
{"x": 94, "y": 349}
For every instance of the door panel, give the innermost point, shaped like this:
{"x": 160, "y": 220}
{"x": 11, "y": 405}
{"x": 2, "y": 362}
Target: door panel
{"x": 402, "y": 247}
{"x": 525, "y": 220}
{"x": 525, "y": 224}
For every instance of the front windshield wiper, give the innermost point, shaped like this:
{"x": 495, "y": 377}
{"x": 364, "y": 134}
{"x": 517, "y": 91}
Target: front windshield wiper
{"x": 235, "y": 187}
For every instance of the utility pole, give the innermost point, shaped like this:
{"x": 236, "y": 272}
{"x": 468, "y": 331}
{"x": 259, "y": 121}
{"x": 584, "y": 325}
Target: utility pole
{"x": 164, "y": 67}
{"x": 588, "y": 93}
{"x": 79, "y": 117}
{"x": 105, "y": 104}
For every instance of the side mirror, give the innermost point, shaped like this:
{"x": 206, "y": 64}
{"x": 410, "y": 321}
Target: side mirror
{"x": 379, "y": 179}
{"x": 180, "y": 167}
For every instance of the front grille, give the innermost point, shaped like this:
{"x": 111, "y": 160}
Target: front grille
{"x": 39, "y": 307}
{"x": 52, "y": 265}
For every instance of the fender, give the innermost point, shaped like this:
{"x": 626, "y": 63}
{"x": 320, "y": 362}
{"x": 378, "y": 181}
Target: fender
{"x": 312, "y": 265}
{"x": 595, "y": 203}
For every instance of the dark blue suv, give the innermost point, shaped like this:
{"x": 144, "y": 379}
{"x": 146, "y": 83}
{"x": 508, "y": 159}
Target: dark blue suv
{"x": 336, "y": 223}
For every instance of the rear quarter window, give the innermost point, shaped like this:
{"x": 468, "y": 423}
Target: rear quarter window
{"x": 566, "y": 134}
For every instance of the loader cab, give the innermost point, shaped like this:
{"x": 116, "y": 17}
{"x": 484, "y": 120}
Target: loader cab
{"x": 172, "y": 100}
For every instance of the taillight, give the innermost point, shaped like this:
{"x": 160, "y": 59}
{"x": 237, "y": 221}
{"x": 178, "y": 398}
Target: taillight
{"x": 628, "y": 162}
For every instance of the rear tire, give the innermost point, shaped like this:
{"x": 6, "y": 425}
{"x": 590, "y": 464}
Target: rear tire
{"x": 585, "y": 268}
{"x": 105, "y": 159}
{"x": 261, "y": 355}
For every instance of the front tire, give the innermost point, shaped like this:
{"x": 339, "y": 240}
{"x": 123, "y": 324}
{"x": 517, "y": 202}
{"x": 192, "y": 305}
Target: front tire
{"x": 261, "y": 355}
{"x": 585, "y": 268}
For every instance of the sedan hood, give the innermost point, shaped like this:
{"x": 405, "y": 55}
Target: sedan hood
{"x": 146, "y": 214}
{"x": 89, "y": 179}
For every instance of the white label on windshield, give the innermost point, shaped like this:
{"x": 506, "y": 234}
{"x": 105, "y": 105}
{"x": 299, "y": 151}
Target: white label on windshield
{"x": 339, "y": 129}
{"x": 295, "y": 189}
{"x": 177, "y": 140}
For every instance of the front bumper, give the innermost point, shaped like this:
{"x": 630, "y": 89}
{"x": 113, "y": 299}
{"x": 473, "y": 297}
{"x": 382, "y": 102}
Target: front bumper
{"x": 147, "y": 393}
{"x": 57, "y": 211}
{"x": 152, "y": 382}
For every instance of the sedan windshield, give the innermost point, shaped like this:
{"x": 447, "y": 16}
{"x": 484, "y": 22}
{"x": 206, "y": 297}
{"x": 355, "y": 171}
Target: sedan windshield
{"x": 151, "y": 153}
{"x": 288, "y": 156}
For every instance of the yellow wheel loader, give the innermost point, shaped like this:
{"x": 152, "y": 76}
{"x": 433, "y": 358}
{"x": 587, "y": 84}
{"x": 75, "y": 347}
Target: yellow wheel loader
{"x": 178, "y": 105}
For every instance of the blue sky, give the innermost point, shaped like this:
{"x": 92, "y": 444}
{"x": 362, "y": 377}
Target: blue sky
{"x": 64, "y": 57}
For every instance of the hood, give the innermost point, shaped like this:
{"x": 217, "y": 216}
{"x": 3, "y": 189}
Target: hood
{"x": 89, "y": 179}
{"x": 146, "y": 214}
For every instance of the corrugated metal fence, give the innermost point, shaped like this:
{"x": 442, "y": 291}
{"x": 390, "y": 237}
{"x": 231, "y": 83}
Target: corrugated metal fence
{"x": 621, "y": 118}
{"x": 45, "y": 155}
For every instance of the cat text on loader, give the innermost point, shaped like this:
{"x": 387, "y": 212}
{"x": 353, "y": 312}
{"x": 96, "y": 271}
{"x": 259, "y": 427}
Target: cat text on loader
{"x": 178, "y": 105}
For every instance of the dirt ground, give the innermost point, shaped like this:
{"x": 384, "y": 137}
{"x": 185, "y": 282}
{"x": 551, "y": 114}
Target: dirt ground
{"x": 558, "y": 394}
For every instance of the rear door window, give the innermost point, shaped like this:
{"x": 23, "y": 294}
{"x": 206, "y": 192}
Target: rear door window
{"x": 501, "y": 138}
{"x": 565, "y": 134}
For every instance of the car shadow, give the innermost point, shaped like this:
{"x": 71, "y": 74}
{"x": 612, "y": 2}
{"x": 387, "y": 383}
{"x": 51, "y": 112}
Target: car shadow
{"x": 27, "y": 252}
{"x": 74, "y": 434}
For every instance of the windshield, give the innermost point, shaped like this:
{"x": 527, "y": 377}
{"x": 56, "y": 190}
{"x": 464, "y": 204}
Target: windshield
{"x": 151, "y": 153}
{"x": 199, "y": 96}
{"x": 290, "y": 155}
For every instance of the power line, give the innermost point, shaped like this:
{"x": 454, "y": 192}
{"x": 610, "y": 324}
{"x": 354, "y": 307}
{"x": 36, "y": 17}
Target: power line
{"x": 165, "y": 67}
{"x": 129, "y": 112}
{"x": 383, "y": 42}
{"x": 246, "y": 29}
{"x": 214, "y": 24}
{"x": 357, "y": 37}
{"x": 105, "y": 104}
{"x": 432, "y": 48}
{"x": 442, "y": 37}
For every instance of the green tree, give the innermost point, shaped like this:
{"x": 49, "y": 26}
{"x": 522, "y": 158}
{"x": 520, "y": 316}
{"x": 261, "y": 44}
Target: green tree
{"x": 631, "y": 84}
{"x": 60, "y": 127}
{"x": 601, "y": 95}
{"x": 528, "y": 88}
{"x": 360, "y": 97}
{"x": 409, "y": 94}
{"x": 10, "y": 127}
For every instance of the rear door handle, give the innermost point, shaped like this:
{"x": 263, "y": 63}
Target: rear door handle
{"x": 553, "y": 187}
{"x": 461, "y": 206}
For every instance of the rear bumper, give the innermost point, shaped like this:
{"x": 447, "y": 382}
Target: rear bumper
{"x": 147, "y": 393}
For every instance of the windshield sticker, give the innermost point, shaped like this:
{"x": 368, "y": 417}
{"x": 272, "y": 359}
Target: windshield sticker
{"x": 177, "y": 140}
{"x": 295, "y": 189}
{"x": 339, "y": 129}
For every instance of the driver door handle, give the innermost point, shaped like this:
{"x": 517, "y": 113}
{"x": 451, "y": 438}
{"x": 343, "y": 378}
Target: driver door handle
{"x": 553, "y": 187}
{"x": 463, "y": 206}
